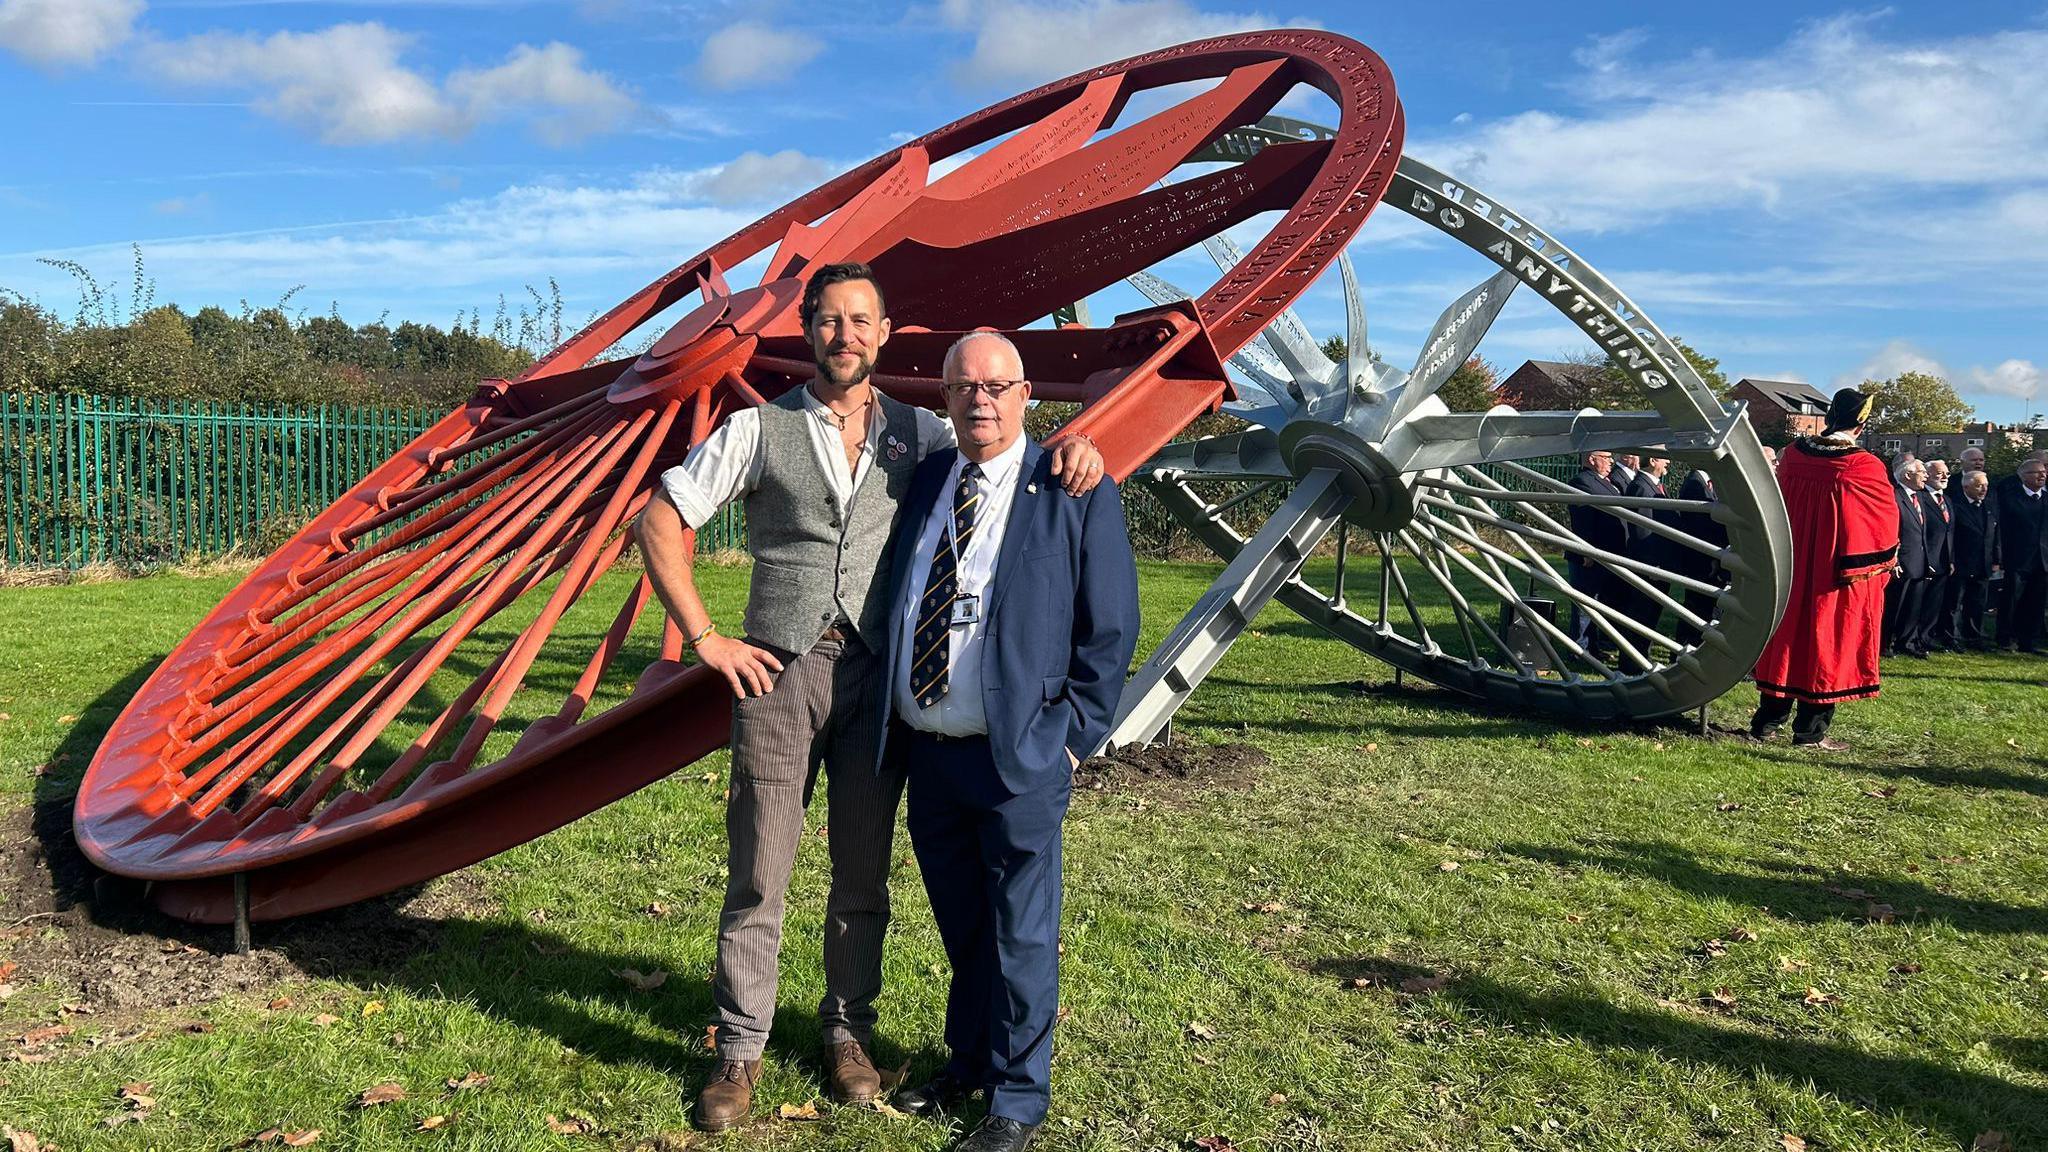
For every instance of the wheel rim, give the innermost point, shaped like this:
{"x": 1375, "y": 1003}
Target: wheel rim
{"x": 343, "y": 723}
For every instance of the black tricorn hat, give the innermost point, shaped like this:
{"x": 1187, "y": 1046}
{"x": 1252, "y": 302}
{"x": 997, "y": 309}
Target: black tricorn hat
{"x": 1849, "y": 409}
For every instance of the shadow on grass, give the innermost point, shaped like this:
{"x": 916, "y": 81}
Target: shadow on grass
{"x": 1790, "y": 892}
{"x": 1957, "y": 1102}
{"x": 1937, "y": 775}
{"x": 70, "y": 875}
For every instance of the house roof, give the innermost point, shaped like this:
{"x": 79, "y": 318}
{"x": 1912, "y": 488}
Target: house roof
{"x": 1790, "y": 395}
{"x": 1562, "y": 371}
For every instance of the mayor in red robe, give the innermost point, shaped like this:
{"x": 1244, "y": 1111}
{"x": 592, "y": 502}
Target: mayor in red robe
{"x": 1845, "y": 540}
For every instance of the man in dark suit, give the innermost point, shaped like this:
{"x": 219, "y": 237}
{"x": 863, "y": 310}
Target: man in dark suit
{"x": 1967, "y": 461}
{"x": 1016, "y": 616}
{"x": 1976, "y": 558}
{"x": 1599, "y": 529}
{"x": 1909, "y": 575}
{"x": 2023, "y": 553}
{"x": 1934, "y": 630}
{"x": 1644, "y": 544}
{"x": 1698, "y": 486}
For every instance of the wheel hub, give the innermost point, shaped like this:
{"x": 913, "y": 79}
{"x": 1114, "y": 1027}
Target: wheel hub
{"x": 1380, "y": 500}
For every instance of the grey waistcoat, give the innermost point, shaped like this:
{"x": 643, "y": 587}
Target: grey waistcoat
{"x": 815, "y": 562}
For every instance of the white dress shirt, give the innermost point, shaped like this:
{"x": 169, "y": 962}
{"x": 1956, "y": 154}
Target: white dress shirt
{"x": 727, "y": 465}
{"x": 959, "y": 712}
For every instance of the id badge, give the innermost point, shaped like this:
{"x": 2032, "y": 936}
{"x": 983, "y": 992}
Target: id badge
{"x": 966, "y": 610}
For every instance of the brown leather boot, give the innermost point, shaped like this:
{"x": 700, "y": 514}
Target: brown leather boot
{"x": 728, "y": 1096}
{"x": 854, "y": 1079}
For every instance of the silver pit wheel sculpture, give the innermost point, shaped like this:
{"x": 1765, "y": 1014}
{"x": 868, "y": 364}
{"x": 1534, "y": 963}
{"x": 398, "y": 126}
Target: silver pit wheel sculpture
{"x": 1448, "y": 558}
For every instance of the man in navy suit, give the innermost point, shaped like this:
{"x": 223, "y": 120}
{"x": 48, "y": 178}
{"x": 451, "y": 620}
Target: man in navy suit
{"x": 1016, "y": 613}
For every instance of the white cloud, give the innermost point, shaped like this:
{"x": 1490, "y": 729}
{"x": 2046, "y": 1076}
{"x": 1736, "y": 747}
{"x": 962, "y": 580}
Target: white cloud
{"x": 347, "y": 84}
{"x": 2010, "y": 378}
{"x": 1835, "y": 117}
{"x": 758, "y": 178}
{"x": 601, "y": 240}
{"x": 344, "y": 82}
{"x": 58, "y": 33}
{"x": 1895, "y": 357}
{"x": 566, "y": 101}
{"x": 747, "y": 54}
{"x": 1024, "y": 42}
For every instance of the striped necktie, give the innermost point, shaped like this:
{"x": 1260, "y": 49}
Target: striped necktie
{"x": 930, "y": 669}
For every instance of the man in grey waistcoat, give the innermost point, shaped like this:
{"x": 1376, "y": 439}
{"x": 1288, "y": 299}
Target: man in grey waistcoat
{"x": 822, "y": 470}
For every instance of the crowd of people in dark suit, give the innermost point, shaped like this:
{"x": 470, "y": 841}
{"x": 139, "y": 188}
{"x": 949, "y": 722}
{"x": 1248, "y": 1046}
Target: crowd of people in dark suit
{"x": 1967, "y": 546}
{"x": 1969, "y": 549}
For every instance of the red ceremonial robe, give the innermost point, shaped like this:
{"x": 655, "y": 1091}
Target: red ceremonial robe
{"x": 1845, "y": 536}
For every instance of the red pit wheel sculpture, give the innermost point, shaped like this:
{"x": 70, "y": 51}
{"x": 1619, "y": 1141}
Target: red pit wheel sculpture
{"x": 339, "y": 726}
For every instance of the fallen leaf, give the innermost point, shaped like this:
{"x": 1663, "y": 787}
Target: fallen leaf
{"x": 1359, "y": 982}
{"x": 137, "y": 1095}
{"x": 279, "y": 1004}
{"x": 1905, "y": 968}
{"x": 657, "y": 908}
{"x": 1743, "y": 936}
{"x": 645, "y": 982}
{"x": 1880, "y": 793}
{"x": 373, "y": 1007}
{"x": 398, "y": 1040}
{"x": 538, "y": 915}
{"x": 891, "y": 1077}
{"x": 1879, "y": 913}
{"x": 1792, "y": 1143}
{"x": 1721, "y": 999}
{"x": 1197, "y": 1030}
{"x": 1992, "y": 1140}
{"x": 1216, "y": 1144}
{"x": 1714, "y": 948}
{"x": 301, "y": 1138}
{"x": 888, "y": 1109}
{"x": 1816, "y": 997}
{"x": 2011, "y": 743}
{"x": 1788, "y": 964}
{"x": 267, "y": 1136}
{"x": 1372, "y": 747}
{"x": 1267, "y": 907}
{"x": 1727, "y": 806}
{"x": 7, "y": 971}
{"x": 808, "y": 1110}
{"x": 1574, "y": 918}
{"x": 1202, "y": 1060}
{"x": 1429, "y": 983}
{"x": 74, "y": 720}
{"x": 467, "y": 1081}
{"x": 17, "y": 1140}
{"x": 6, "y": 991}
{"x": 1276, "y": 1099}
{"x": 1448, "y": 866}
{"x": 573, "y": 1126}
{"x": 385, "y": 1093}
{"x": 120, "y": 1118}
{"x": 711, "y": 1037}
{"x": 326, "y": 1018}
{"x": 429, "y": 1123}
{"x": 37, "y": 1037}
{"x": 196, "y": 1027}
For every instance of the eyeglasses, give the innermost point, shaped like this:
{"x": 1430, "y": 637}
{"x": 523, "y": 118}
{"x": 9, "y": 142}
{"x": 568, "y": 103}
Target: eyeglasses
{"x": 996, "y": 389}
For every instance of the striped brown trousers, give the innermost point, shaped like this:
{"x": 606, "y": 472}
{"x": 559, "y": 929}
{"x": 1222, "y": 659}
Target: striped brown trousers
{"x": 824, "y": 709}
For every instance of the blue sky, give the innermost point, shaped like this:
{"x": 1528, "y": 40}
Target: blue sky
{"x": 1812, "y": 192}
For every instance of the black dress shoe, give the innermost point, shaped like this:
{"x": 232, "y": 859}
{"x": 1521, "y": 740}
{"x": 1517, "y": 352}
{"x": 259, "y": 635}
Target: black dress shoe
{"x": 940, "y": 1094}
{"x": 998, "y": 1134}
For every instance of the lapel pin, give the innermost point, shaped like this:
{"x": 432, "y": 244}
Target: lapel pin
{"x": 1031, "y": 488}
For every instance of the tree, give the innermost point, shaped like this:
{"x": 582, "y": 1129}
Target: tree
{"x": 1916, "y": 402}
{"x": 1471, "y": 387}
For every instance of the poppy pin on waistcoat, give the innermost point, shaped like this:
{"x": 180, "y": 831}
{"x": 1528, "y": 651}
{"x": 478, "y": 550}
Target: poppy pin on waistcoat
{"x": 897, "y": 448}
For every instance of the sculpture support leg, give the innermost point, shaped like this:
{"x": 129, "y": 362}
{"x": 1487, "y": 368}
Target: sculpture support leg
{"x": 1267, "y": 561}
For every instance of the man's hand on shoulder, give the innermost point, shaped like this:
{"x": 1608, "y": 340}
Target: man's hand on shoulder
{"x": 1078, "y": 464}
{"x": 750, "y": 670}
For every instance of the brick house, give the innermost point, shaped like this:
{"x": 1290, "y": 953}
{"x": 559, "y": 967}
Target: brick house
{"x": 1547, "y": 386}
{"x": 1781, "y": 411}
{"x": 1946, "y": 445}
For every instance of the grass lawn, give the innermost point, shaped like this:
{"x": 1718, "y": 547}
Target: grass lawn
{"x": 1416, "y": 925}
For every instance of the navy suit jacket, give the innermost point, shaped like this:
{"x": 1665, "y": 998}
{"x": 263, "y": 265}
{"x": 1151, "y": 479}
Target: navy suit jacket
{"x": 1060, "y": 617}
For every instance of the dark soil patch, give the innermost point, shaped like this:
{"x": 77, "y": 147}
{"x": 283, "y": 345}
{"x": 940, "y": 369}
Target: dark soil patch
{"x": 1174, "y": 767}
{"x": 105, "y": 947}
